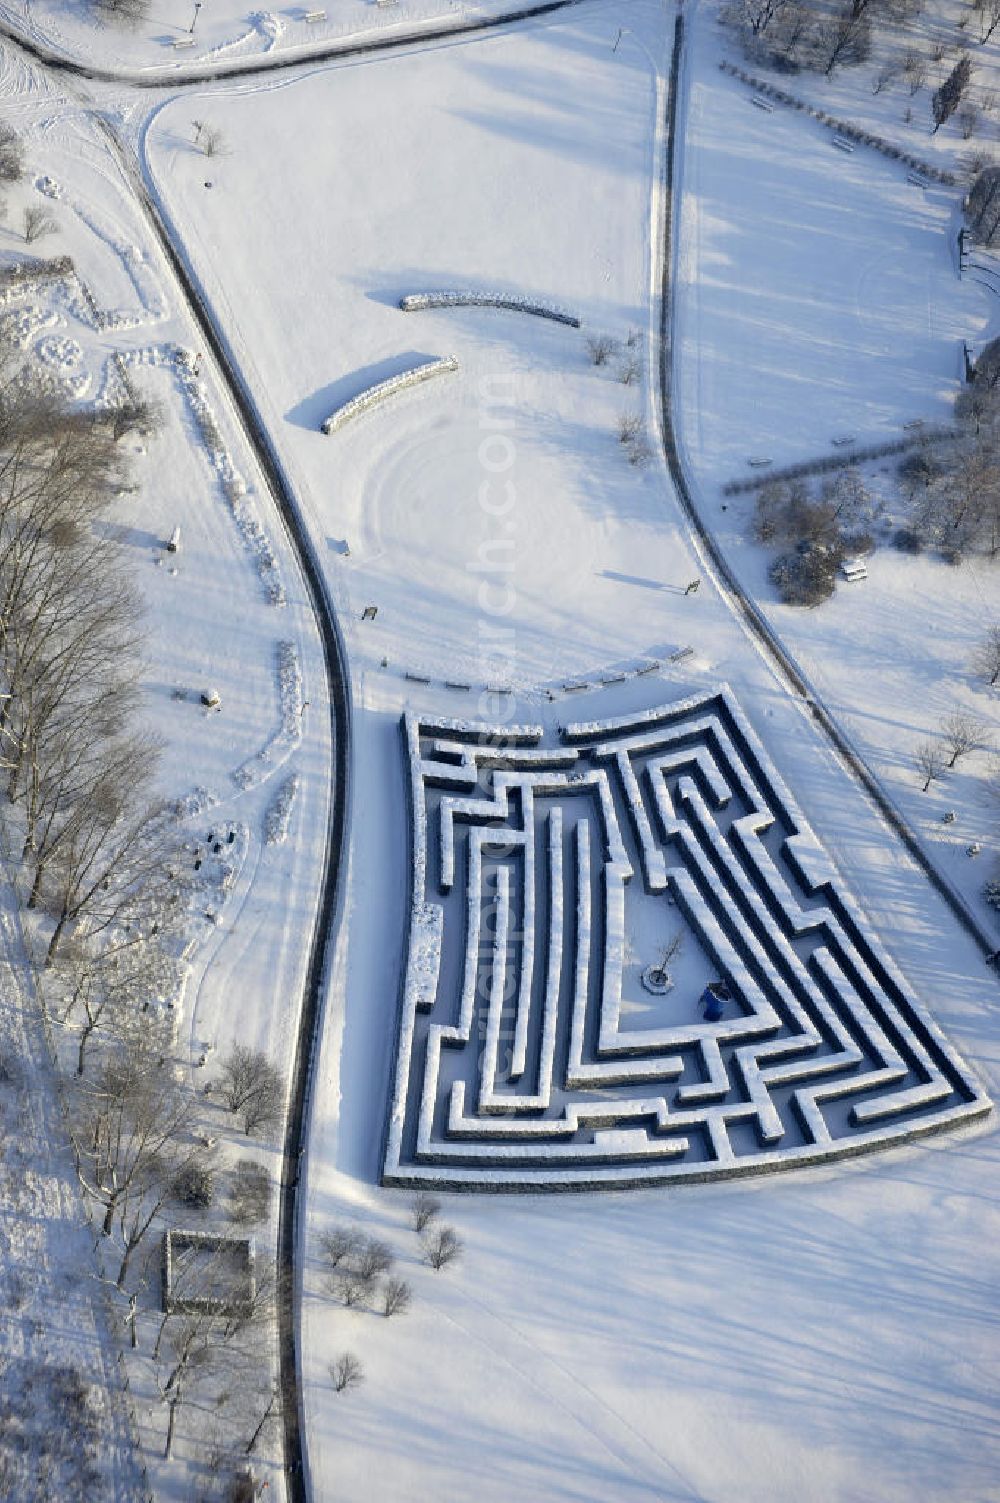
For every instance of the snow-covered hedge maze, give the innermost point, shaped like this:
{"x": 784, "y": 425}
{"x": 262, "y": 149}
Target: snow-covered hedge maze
{"x": 546, "y": 878}
{"x": 385, "y": 389}
{"x": 415, "y": 302}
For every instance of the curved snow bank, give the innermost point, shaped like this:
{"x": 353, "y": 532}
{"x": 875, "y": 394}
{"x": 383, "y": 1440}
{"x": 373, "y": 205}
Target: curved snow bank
{"x": 413, "y": 302}
{"x": 384, "y": 389}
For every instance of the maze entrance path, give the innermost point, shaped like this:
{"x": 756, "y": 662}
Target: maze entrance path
{"x": 548, "y": 875}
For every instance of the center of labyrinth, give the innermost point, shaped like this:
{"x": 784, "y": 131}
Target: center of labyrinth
{"x": 630, "y": 961}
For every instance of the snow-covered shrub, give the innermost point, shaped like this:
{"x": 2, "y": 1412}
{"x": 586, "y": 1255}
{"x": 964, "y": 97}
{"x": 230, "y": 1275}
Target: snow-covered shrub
{"x": 991, "y": 892}
{"x": 194, "y": 1186}
{"x": 250, "y": 1194}
{"x": 907, "y": 540}
{"x": 807, "y": 575}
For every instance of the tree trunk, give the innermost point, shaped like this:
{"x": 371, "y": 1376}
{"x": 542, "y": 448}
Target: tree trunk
{"x": 109, "y": 1216}
{"x": 255, "y": 1437}
{"x": 84, "y": 1036}
{"x": 175, "y": 1404}
{"x": 57, "y": 933}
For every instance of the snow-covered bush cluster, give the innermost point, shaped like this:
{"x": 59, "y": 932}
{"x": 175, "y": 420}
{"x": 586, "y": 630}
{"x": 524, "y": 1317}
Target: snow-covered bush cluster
{"x": 279, "y": 813}
{"x": 232, "y": 483}
{"x": 288, "y": 672}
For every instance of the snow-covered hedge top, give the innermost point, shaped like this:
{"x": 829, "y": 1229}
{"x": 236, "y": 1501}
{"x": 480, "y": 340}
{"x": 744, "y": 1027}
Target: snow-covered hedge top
{"x": 415, "y": 301}
{"x": 383, "y": 389}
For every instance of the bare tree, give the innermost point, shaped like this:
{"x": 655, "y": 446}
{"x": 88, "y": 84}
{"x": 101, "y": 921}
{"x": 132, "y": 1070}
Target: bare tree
{"x": 201, "y": 1334}
{"x": 105, "y": 862}
{"x": 132, "y": 1131}
{"x": 442, "y": 1246}
{"x": 37, "y": 222}
{"x": 271, "y": 1410}
{"x": 929, "y": 760}
{"x": 753, "y": 16}
{"x": 347, "y": 1372}
{"x": 339, "y": 1245}
{"x": 99, "y": 984}
{"x": 423, "y": 1208}
{"x": 127, "y": 13}
{"x": 986, "y": 657}
{"x": 600, "y": 348}
{"x": 212, "y": 141}
{"x": 887, "y": 74}
{"x": 372, "y": 1258}
{"x": 914, "y": 70}
{"x": 629, "y": 370}
{"x": 11, "y": 155}
{"x": 988, "y": 12}
{"x": 135, "y": 413}
{"x": 396, "y": 1297}
{"x": 963, "y": 733}
{"x": 349, "y": 1287}
{"x": 252, "y": 1087}
{"x": 844, "y": 39}
{"x": 969, "y": 120}
{"x": 629, "y": 427}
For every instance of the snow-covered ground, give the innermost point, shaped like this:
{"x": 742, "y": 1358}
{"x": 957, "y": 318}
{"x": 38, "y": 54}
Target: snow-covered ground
{"x": 829, "y": 1336}
{"x": 180, "y": 34}
{"x": 227, "y": 612}
{"x": 819, "y": 297}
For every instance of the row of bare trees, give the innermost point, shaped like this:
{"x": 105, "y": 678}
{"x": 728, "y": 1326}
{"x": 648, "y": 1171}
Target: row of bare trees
{"x": 358, "y": 1271}
{"x": 962, "y": 732}
{"x": 104, "y": 878}
{"x": 816, "y": 34}
{"x": 77, "y": 771}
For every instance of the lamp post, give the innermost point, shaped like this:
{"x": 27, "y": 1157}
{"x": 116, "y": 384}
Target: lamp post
{"x": 197, "y": 8}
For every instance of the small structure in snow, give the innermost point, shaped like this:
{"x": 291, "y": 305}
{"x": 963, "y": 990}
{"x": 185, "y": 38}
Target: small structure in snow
{"x": 207, "y": 1274}
{"x": 854, "y": 569}
{"x": 211, "y": 699}
{"x": 713, "y": 999}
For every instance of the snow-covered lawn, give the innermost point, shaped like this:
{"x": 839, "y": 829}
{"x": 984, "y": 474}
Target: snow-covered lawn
{"x": 828, "y": 1336}
{"x": 819, "y": 297}
{"x": 179, "y": 34}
